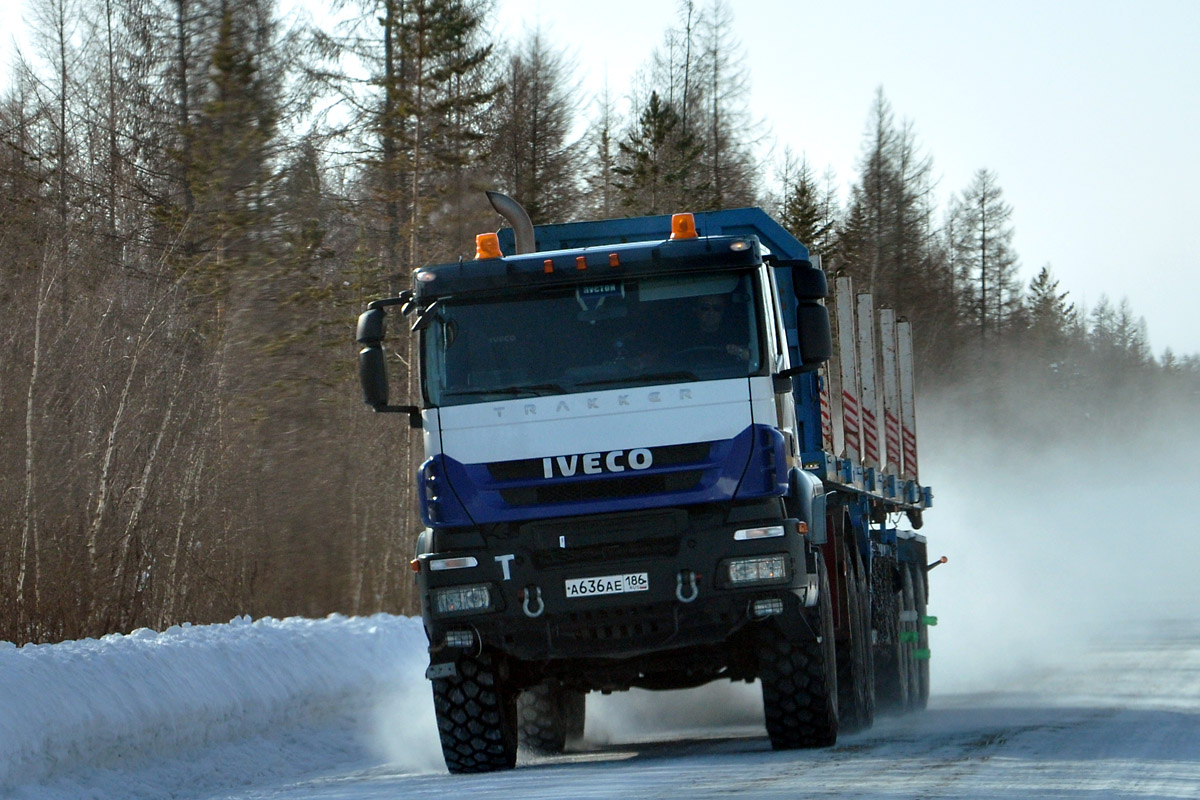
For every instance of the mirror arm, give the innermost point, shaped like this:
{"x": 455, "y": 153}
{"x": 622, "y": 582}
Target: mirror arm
{"x": 414, "y": 413}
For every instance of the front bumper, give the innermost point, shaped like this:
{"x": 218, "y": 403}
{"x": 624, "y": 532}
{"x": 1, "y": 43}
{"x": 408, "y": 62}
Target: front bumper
{"x": 666, "y": 569}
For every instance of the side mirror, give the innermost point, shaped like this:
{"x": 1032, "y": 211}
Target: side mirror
{"x": 808, "y": 282}
{"x": 816, "y": 336}
{"x": 372, "y": 366}
{"x": 810, "y": 288}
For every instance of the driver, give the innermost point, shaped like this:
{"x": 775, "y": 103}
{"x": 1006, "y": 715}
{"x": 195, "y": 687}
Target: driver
{"x": 715, "y": 328}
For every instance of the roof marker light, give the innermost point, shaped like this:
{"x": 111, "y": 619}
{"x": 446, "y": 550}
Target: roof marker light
{"x": 487, "y": 245}
{"x": 683, "y": 226}
{"x": 738, "y": 247}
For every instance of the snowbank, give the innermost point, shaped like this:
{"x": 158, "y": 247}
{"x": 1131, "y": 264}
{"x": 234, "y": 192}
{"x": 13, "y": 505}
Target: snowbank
{"x": 109, "y": 702}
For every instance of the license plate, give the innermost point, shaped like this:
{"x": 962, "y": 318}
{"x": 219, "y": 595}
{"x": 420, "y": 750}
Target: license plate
{"x": 608, "y": 584}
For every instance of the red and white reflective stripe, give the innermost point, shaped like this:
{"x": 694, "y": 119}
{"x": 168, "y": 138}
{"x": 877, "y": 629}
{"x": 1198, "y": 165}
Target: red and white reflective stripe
{"x": 850, "y": 419}
{"x": 870, "y": 436}
{"x": 891, "y": 436}
{"x": 826, "y": 420}
{"x": 910, "y": 453}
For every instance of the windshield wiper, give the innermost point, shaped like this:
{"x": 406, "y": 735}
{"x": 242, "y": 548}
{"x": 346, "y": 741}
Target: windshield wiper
{"x": 680, "y": 375}
{"x": 536, "y": 389}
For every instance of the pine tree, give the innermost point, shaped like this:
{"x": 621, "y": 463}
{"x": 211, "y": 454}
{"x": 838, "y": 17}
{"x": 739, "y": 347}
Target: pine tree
{"x": 983, "y": 245}
{"x": 887, "y": 241}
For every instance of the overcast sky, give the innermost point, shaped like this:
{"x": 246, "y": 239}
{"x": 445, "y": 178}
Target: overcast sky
{"x": 1087, "y": 111}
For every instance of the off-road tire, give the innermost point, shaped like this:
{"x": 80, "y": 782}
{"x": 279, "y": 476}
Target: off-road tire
{"x": 799, "y": 681}
{"x": 856, "y": 660}
{"x": 922, "y": 665}
{"x": 542, "y": 719}
{"x": 476, "y": 717}
{"x": 574, "y": 705}
{"x": 910, "y": 625}
{"x": 891, "y": 661}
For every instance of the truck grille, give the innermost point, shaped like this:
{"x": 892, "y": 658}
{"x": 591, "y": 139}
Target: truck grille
{"x": 610, "y": 551}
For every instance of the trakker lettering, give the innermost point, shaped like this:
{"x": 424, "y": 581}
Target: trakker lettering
{"x": 594, "y": 403}
{"x": 596, "y": 463}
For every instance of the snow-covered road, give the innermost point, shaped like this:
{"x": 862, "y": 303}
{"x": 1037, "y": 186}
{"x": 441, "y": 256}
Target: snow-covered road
{"x": 1123, "y": 722}
{"x": 337, "y": 710}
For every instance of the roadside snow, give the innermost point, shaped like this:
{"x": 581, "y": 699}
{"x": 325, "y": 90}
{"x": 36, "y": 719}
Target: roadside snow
{"x": 75, "y": 716}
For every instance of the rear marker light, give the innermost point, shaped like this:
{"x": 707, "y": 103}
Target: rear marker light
{"x": 580, "y": 262}
{"x": 548, "y": 266}
{"x": 614, "y": 260}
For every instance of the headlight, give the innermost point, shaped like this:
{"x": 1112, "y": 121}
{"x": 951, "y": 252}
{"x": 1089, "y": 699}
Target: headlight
{"x": 757, "y": 570}
{"x": 462, "y": 599}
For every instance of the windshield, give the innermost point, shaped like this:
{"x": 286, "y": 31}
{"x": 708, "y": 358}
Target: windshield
{"x": 578, "y": 338}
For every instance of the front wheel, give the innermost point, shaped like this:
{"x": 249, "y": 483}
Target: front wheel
{"x": 799, "y": 681}
{"x": 476, "y": 716}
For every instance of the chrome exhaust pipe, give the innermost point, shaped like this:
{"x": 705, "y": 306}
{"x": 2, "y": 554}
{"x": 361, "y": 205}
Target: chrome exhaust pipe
{"x": 518, "y": 217}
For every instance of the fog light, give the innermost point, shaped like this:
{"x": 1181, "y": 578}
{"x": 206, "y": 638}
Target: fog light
{"x": 464, "y": 639}
{"x": 768, "y": 607}
{"x": 760, "y": 569}
{"x": 748, "y": 534}
{"x": 461, "y": 599}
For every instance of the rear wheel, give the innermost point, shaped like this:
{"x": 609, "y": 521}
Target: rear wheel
{"x": 856, "y": 663}
{"x": 922, "y": 652}
{"x": 574, "y": 705}
{"x": 891, "y": 662}
{"x": 910, "y": 640}
{"x": 799, "y": 681}
{"x": 476, "y": 716}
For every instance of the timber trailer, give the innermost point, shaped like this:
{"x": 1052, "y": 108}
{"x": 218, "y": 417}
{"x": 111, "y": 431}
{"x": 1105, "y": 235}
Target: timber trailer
{"x": 618, "y": 492}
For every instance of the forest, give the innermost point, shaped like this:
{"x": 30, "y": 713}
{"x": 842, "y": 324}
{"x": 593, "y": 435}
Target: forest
{"x": 196, "y": 200}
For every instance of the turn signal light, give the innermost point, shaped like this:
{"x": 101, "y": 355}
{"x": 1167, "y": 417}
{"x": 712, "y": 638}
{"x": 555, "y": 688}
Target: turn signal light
{"x": 683, "y": 226}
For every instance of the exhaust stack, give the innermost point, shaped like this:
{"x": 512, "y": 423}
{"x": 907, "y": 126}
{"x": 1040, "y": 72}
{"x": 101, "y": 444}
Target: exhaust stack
{"x": 518, "y": 217}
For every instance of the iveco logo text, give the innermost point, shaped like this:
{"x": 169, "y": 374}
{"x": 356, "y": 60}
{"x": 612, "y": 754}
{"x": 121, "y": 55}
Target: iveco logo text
{"x": 596, "y": 463}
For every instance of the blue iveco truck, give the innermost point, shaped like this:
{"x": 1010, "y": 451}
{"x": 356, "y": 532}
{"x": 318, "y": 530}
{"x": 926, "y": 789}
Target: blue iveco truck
{"x": 650, "y": 462}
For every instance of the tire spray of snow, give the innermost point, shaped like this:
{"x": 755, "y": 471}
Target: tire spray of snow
{"x": 403, "y": 726}
{"x": 1064, "y": 527}
{"x": 640, "y": 715}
